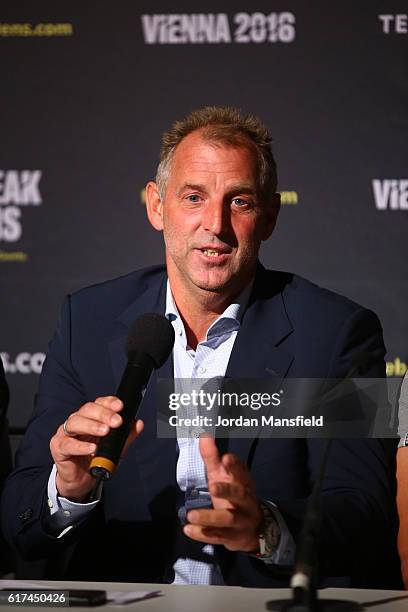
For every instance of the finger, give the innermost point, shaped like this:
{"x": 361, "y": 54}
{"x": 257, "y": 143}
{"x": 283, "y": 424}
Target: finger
{"x": 96, "y": 412}
{"x": 110, "y": 401}
{"x": 139, "y": 426}
{"x": 136, "y": 430}
{"x": 72, "y": 447}
{"x": 232, "y": 539}
{"x": 210, "y": 535}
{"x": 210, "y": 454}
{"x": 237, "y": 469}
{"x": 213, "y": 518}
{"x": 78, "y": 425}
{"x": 236, "y": 493}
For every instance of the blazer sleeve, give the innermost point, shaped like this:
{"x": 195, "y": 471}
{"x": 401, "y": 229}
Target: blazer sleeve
{"x": 25, "y": 495}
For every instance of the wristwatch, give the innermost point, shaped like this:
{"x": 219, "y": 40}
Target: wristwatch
{"x": 269, "y": 533}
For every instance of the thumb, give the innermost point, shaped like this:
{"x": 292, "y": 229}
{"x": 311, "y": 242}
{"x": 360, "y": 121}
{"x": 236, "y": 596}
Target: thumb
{"x": 135, "y": 431}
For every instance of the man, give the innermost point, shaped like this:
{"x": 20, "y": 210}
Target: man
{"x": 215, "y": 201}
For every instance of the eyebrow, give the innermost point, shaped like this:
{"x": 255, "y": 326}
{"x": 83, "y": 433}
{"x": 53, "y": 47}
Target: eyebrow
{"x": 193, "y": 186}
{"x": 244, "y": 188}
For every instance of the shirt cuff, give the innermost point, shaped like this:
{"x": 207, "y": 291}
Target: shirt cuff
{"x": 284, "y": 554}
{"x": 403, "y": 442}
{"x": 64, "y": 514}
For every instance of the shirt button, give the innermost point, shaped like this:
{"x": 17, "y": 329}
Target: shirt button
{"x": 50, "y": 505}
{"x": 67, "y": 513}
{"x": 202, "y": 369}
{"x": 180, "y": 332}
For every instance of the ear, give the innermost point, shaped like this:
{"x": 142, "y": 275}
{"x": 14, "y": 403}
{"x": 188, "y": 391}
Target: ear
{"x": 272, "y": 208}
{"x": 154, "y": 206}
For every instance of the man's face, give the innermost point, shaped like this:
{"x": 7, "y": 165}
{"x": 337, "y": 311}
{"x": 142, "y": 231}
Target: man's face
{"x": 212, "y": 217}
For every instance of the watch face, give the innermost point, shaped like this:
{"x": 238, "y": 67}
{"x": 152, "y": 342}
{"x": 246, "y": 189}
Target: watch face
{"x": 270, "y": 535}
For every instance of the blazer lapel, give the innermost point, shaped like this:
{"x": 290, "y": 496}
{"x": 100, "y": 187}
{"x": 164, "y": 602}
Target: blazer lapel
{"x": 259, "y": 350}
{"x": 148, "y": 451}
{"x": 151, "y": 300}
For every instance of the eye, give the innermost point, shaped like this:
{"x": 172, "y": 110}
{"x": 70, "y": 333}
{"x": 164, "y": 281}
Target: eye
{"x": 240, "y": 203}
{"x": 193, "y": 197}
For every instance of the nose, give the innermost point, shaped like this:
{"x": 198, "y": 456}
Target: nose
{"x": 215, "y": 216}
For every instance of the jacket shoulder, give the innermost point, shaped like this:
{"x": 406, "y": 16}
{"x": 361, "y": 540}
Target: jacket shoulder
{"x": 314, "y": 309}
{"x": 318, "y": 298}
{"x": 329, "y": 331}
{"x": 114, "y": 295}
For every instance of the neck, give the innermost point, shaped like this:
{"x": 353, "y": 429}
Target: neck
{"x": 198, "y": 314}
{"x": 199, "y": 308}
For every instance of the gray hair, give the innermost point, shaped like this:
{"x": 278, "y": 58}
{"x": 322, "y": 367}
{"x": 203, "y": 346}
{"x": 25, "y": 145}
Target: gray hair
{"x": 226, "y": 125}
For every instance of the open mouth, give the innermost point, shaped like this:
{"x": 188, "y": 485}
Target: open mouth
{"x": 216, "y": 252}
{"x": 211, "y": 253}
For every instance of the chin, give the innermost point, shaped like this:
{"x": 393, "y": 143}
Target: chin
{"x": 209, "y": 284}
{"x": 214, "y": 285}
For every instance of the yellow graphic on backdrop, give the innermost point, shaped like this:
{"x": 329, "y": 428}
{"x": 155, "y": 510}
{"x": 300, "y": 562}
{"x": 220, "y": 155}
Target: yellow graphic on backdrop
{"x": 289, "y": 197}
{"x": 39, "y": 29}
{"x": 13, "y": 257}
{"x": 396, "y": 367}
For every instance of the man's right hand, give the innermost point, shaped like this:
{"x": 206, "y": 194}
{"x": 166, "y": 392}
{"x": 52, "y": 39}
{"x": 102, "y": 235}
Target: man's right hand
{"x": 72, "y": 453}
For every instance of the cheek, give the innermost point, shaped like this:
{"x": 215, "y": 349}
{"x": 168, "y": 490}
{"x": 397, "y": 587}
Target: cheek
{"x": 248, "y": 233}
{"x": 181, "y": 226}
{"x": 176, "y": 234}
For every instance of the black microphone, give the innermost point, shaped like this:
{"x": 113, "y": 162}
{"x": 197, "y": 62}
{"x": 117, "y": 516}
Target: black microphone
{"x": 149, "y": 343}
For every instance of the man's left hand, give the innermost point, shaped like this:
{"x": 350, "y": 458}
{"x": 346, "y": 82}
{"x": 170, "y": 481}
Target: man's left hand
{"x": 236, "y": 515}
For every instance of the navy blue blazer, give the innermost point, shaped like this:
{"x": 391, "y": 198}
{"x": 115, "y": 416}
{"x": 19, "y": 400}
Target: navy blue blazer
{"x": 291, "y": 328}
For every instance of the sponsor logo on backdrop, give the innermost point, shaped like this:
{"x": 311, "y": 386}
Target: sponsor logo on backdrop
{"x": 8, "y": 30}
{"x": 287, "y": 197}
{"x": 394, "y": 24}
{"x": 18, "y": 189}
{"x": 396, "y": 367}
{"x": 23, "y": 363}
{"x": 215, "y": 28}
{"x": 390, "y": 194}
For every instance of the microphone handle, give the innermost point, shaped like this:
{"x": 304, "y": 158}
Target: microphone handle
{"x": 135, "y": 378}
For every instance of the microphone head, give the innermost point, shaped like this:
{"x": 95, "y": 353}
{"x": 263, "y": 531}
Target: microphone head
{"x": 152, "y": 334}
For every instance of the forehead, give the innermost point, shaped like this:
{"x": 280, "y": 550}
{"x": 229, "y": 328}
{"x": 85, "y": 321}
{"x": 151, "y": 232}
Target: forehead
{"x": 196, "y": 155}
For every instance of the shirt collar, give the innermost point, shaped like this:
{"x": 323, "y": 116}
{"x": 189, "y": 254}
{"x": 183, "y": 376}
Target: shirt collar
{"x": 227, "y": 322}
